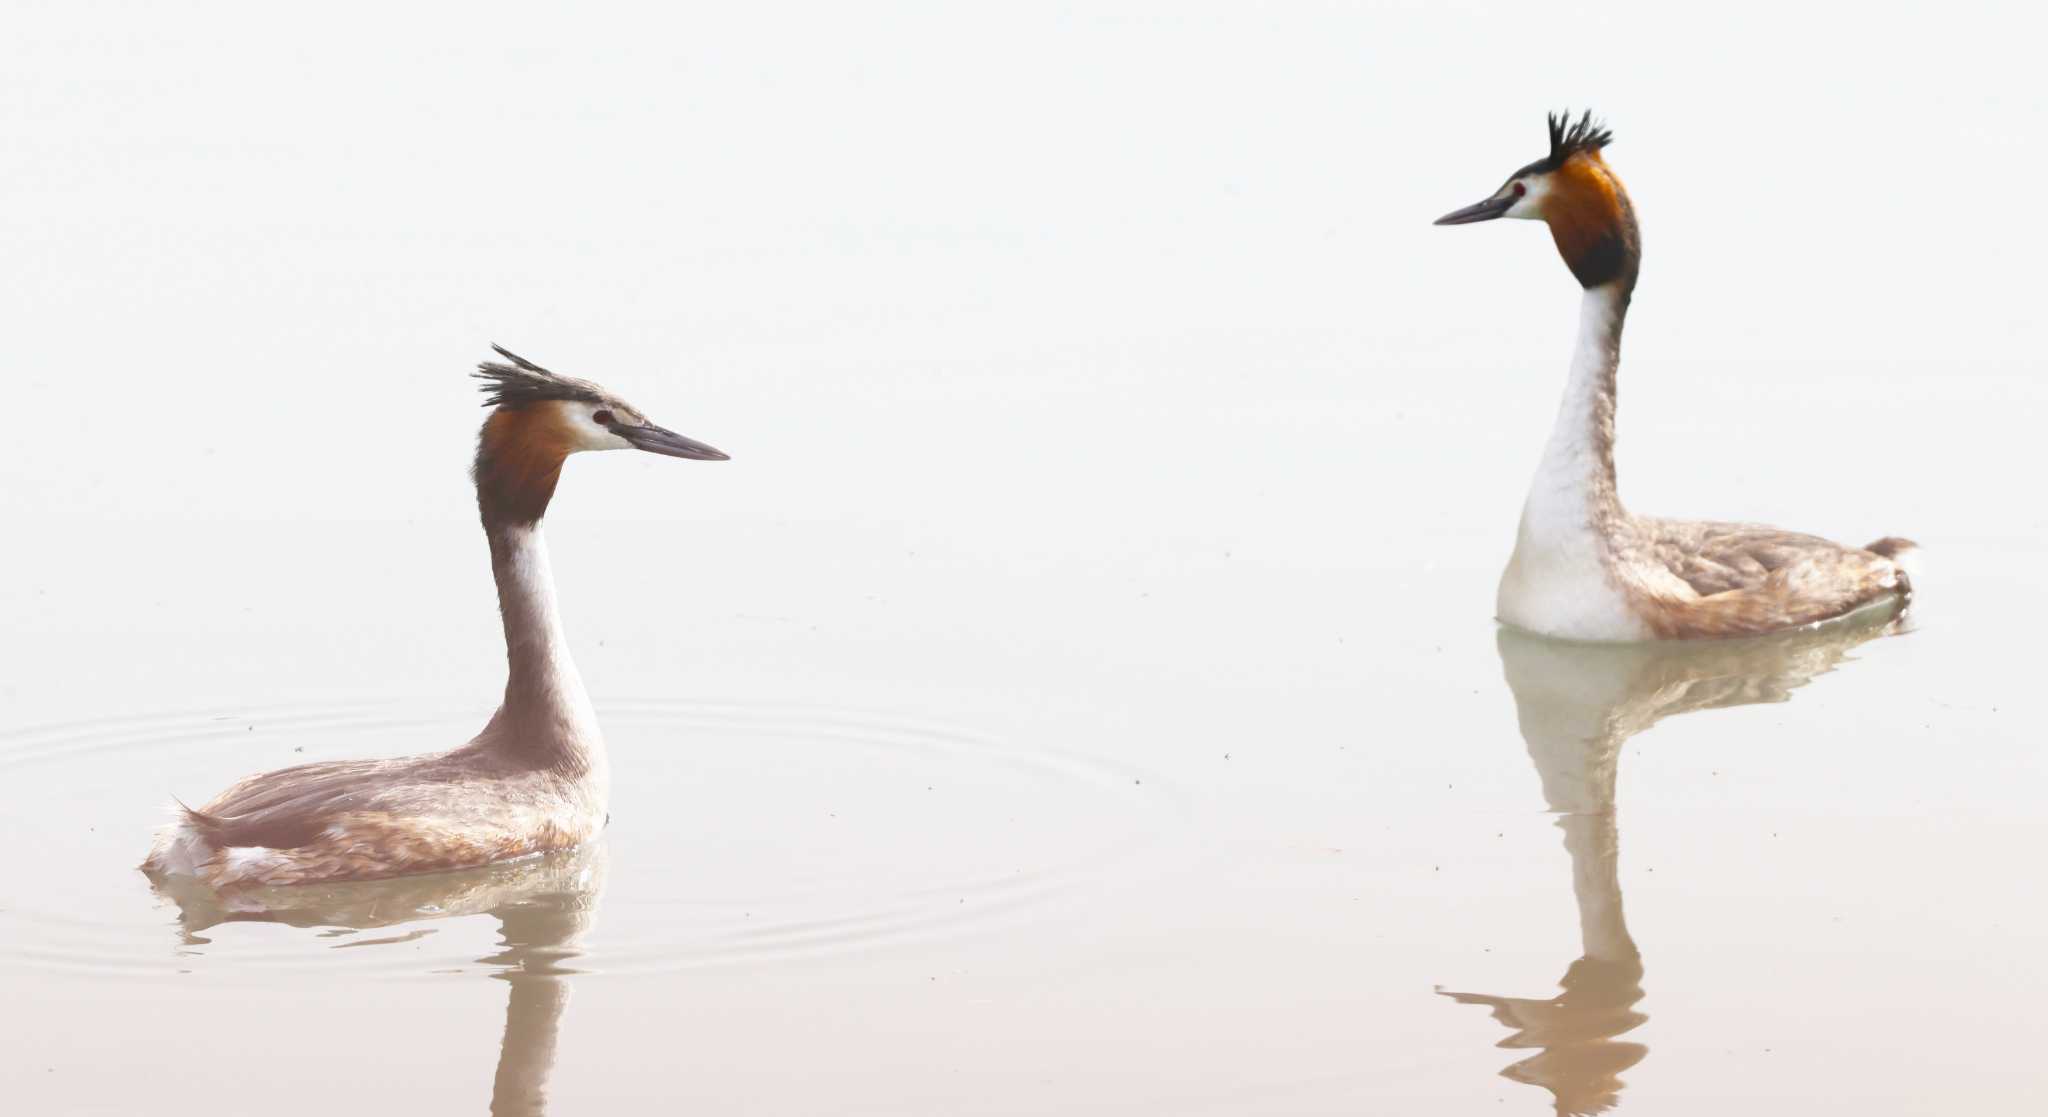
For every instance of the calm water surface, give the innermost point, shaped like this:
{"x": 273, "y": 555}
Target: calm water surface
{"x": 1213, "y": 820}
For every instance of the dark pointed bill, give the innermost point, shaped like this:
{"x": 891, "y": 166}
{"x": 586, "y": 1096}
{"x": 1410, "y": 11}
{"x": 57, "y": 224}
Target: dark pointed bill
{"x": 661, "y": 440}
{"x": 1481, "y": 211}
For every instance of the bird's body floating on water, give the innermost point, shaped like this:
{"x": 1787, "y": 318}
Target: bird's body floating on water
{"x": 1583, "y": 566}
{"x": 535, "y": 779}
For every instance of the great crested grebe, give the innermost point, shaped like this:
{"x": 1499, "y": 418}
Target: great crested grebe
{"x": 1583, "y": 567}
{"x": 535, "y": 779}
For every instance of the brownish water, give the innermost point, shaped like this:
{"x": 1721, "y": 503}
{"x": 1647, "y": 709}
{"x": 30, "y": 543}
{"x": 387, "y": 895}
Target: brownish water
{"x": 1222, "y": 876}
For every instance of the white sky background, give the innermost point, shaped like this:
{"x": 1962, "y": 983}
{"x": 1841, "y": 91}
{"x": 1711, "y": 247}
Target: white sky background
{"x": 250, "y": 252}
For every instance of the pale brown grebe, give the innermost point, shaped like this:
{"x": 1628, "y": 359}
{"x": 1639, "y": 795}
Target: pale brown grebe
{"x": 1585, "y": 568}
{"x": 535, "y": 779}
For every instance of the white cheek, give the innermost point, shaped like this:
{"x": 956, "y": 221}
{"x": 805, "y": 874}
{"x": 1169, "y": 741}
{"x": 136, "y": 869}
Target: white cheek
{"x": 1529, "y": 207}
{"x": 598, "y": 437}
{"x": 572, "y": 419}
{"x": 586, "y": 433}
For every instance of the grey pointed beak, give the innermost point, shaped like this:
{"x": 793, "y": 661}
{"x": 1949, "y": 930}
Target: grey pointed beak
{"x": 661, "y": 440}
{"x": 1479, "y": 211}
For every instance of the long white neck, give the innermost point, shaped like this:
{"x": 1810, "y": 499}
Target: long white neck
{"x": 1559, "y": 579}
{"x": 1574, "y": 491}
{"x": 547, "y": 717}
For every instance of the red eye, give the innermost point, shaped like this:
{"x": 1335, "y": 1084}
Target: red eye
{"x": 1520, "y": 190}
{"x": 602, "y": 417}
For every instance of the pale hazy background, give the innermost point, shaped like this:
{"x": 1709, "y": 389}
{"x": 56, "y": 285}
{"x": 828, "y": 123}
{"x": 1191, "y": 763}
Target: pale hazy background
{"x": 1093, "y": 378}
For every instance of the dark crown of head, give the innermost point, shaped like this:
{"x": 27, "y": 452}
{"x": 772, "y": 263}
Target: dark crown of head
{"x": 523, "y": 382}
{"x": 1570, "y": 137}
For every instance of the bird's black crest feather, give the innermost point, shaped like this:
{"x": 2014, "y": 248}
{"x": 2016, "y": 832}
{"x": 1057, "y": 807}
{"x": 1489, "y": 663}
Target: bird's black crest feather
{"x": 1569, "y": 137}
{"x": 523, "y": 382}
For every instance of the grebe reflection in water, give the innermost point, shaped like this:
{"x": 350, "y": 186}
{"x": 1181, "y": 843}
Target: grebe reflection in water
{"x": 544, "y": 906}
{"x": 1577, "y": 704}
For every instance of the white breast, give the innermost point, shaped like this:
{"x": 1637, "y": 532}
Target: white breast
{"x": 1557, "y": 582}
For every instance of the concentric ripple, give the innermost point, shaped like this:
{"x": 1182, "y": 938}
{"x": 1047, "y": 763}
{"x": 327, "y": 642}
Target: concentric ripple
{"x": 740, "y": 833}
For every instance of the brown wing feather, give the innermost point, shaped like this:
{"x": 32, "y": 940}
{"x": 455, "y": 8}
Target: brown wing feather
{"x": 363, "y": 819}
{"x": 1752, "y": 579}
{"x": 1717, "y": 557}
{"x": 290, "y": 807}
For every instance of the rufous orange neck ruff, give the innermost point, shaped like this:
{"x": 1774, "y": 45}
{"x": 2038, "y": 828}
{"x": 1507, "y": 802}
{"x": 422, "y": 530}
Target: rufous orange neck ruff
{"x": 519, "y": 456}
{"x": 1593, "y": 222}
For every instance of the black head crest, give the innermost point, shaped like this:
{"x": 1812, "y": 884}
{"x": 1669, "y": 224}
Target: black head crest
{"x": 523, "y": 382}
{"x": 1569, "y": 137}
